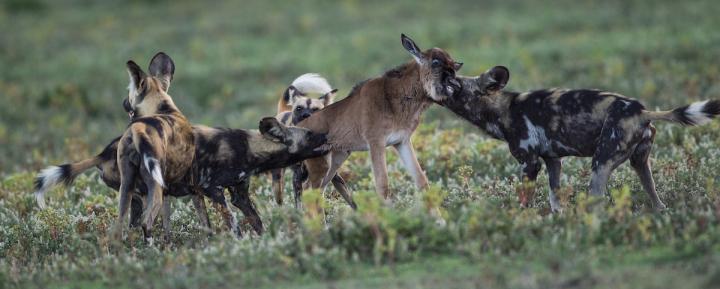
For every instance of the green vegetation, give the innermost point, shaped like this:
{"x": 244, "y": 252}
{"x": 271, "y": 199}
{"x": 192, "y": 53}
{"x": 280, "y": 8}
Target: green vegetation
{"x": 62, "y": 81}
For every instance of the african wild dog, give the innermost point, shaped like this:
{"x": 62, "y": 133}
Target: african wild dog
{"x": 298, "y": 97}
{"x": 224, "y": 158}
{"x": 384, "y": 111}
{"x": 158, "y": 145}
{"x": 106, "y": 162}
{"x": 555, "y": 123}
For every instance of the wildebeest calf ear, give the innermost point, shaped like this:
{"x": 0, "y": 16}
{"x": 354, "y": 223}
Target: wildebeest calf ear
{"x": 271, "y": 128}
{"x": 137, "y": 77}
{"x": 458, "y": 65}
{"x": 163, "y": 68}
{"x": 328, "y": 97}
{"x": 495, "y": 78}
{"x": 411, "y": 47}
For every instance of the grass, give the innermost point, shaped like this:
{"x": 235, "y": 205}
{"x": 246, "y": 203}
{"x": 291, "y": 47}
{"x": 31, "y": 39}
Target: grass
{"x": 63, "y": 78}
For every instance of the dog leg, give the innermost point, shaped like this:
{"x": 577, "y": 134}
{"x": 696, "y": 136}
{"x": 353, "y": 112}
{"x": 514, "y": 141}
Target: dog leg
{"x": 612, "y": 150}
{"x": 379, "y": 168}
{"x": 127, "y": 178}
{"x": 554, "y": 167}
{"x": 216, "y": 194}
{"x": 136, "y": 210}
{"x": 407, "y": 155}
{"x": 640, "y": 162}
{"x": 154, "y": 204}
{"x": 530, "y": 169}
{"x": 240, "y": 198}
{"x": 166, "y": 213}
{"x": 199, "y": 204}
{"x": 277, "y": 184}
{"x": 300, "y": 174}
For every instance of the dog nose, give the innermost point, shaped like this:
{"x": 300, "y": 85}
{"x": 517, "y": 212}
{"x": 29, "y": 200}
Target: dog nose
{"x": 305, "y": 115}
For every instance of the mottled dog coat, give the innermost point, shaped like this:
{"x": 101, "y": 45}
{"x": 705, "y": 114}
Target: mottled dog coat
{"x": 158, "y": 145}
{"x": 224, "y": 158}
{"x": 550, "y": 124}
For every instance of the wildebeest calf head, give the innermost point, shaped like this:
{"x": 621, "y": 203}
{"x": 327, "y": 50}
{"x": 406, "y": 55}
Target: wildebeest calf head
{"x": 437, "y": 69}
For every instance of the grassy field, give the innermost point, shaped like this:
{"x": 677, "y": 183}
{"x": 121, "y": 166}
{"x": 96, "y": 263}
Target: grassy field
{"x": 62, "y": 81}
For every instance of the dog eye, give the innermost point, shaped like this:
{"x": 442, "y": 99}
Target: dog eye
{"x": 435, "y": 62}
{"x": 314, "y": 109}
{"x": 298, "y": 108}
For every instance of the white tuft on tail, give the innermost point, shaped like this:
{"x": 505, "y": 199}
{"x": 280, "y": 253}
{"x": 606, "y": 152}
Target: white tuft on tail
{"x": 47, "y": 178}
{"x": 155, "y": 171}
{"x": 696, "y": 113}
{"x": 312, "y": 83}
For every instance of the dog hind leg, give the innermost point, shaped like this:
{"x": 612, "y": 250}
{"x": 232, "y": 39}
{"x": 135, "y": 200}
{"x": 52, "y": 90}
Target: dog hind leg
{"x": 240, "y": 198}
{"x": 554, "y": 168}
{"x": 639, "y": 160}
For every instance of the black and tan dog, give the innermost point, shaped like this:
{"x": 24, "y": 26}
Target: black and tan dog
{"x": 295, "y": 105}
{"x": 158, "y": 145}
{"x": 224, "y": 158}
{"x": 550, "y": 124}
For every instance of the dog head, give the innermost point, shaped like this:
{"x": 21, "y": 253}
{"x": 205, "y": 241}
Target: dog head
{"x": 298, "y": 140}
{"x": 147, "y": 93}
{"x": 491, "y": 81}
{"x": 437, "y": 68}
{"x": 303, "y": 106}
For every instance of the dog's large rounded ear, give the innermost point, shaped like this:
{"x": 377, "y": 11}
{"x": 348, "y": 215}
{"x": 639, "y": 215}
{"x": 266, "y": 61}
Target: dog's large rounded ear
{"x": 271, "y": 128}
{"x": 411, "y": 47}
{"x": 288, "y": 95}
{"x": 163, "y": 68}
{"x": 495, "y": 79}
{"x": 328, "y": 97}
{"x": 137, "y": 77}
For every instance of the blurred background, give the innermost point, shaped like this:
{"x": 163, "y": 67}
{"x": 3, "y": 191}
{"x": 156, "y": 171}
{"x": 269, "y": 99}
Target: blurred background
{"x": 62, "y": 62}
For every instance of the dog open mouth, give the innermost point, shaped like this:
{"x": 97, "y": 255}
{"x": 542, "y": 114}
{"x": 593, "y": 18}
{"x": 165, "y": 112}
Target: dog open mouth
{"x": 450, "y": 84}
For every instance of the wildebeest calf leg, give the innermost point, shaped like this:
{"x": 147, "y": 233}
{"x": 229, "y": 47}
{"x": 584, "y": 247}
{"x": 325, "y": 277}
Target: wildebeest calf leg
{"x": 336, "y": 160}
{"x": 278, "y": 183}
{"x": 531, "y": 166}
{"x": 341, "y": 187}
{"x": 379, "y": 169}
{"x": 554, "y": 167}
{"x": 640, "y": 162}
{"x": 240, "y": 198}
{"x": 409, "y": 160}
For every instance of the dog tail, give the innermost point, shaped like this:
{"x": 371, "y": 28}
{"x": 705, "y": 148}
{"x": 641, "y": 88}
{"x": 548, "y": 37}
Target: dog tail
{"x": 65, "y": 174}
{"x": 144, "y": 147}
{"x": 697, "y": 113}
{"x": 304, "y": 84}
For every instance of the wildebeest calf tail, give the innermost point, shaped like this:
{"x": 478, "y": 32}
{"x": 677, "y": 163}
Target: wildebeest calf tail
{"x": 54, "y": 175}
{"x": 697, "y": 113}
